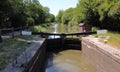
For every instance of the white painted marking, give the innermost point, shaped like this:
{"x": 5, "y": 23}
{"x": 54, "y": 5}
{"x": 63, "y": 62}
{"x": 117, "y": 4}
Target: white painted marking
{"x": 26, "y": 33}
{"x": 102, "y": 31}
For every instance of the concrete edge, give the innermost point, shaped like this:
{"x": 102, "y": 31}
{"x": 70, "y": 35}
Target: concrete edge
{"x": 104, "y": 48}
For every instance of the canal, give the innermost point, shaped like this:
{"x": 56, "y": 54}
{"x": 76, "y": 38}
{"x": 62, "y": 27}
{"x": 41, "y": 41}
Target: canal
{"x": 67, "y": 60}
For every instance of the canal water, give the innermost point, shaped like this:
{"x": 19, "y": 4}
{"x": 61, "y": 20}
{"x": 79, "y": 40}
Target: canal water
{"x": 62, "y": 28}
{"x": 67, "y": 60}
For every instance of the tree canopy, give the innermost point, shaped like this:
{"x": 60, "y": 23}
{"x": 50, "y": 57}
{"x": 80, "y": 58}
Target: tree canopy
{"x": 16, "y": 13}
{"x": 100, "y": 13}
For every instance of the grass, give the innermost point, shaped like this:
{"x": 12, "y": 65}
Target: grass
{"x": 114, "y": 39}
{"x": 43, "y": 27}
{"x": 9, "y": 46}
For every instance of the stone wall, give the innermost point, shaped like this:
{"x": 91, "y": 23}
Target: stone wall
{"x": 100, "y": 55}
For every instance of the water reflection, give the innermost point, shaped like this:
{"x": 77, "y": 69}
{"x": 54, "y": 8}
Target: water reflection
{"x": 55, "y": 28}
{"x": 53, "y": 37}
{"x": 63, "y": 28}
{"x": 55, "y": 31}
{"x": 69, "y": 61}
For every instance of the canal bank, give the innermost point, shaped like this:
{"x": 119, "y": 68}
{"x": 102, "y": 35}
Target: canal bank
{"x": 94, "y": 57}
{"x": 65, "y": 55}
{"x": 103, "y": 57}
{"x": 27, "y": 59}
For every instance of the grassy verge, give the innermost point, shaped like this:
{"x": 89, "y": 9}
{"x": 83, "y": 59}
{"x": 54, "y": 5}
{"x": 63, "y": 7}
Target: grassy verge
{"x": 43, "y": 27}
{"x": 114, "y": 39}
{"x": 9, "y": 46}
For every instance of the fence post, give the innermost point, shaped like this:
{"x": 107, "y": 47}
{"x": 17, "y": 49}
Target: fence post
{"x": 63, "y": 36}
{"x": 12, "y": 32}
{"x": 0, "y": 35}
{"x": 21, "y": 30}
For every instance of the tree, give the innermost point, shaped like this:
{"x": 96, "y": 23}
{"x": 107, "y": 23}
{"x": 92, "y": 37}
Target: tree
{"x": 34, "y": 13}
{"x": 4, "y": 12}
{"x": 59, "y": 16}
{"x": 67, "y": 15}
{"x": 104, "y": 14}
{"x": 115, "y": 10}
{"x": 51, "y": 17}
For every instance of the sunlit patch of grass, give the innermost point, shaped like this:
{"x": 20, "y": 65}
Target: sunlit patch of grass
{"x": 114, "y": 39}
{"x": 9, "y": 46}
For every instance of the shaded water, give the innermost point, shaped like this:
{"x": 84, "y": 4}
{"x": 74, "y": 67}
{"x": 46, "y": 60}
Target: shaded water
{"x": 69, "y": 61}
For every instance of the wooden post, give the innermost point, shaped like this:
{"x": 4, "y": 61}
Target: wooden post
{"x": 0, "y": 36}
{"x": 12, "y": 32}
{"x": 21, "y": 30}
{"x": 72, "y": 36}
{"x": 54, "y": 36}
{"x": 63, "y": 36}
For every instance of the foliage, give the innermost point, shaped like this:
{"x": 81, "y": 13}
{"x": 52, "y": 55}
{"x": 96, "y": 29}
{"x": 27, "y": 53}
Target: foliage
{"x": 59, "y": 16}
{"x": 104, "y": 14}
{"x": 94, "y": 28}
{"x": 115, "y": 10}
{"x": 17, "y": 13}
{"x": 4, "y": 12}
{"x": 67, "y": 16}
{"x": 44, "y": 27}
{"x": 49, "y": 17}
